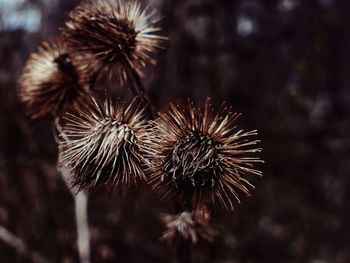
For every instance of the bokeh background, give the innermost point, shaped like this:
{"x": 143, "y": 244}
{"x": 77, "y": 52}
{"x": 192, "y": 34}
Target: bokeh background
{"x": 284, "y": 64}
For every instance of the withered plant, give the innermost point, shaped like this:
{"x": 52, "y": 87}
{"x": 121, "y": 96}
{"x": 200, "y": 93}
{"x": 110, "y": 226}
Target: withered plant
{"x": 104, "y": 143}
{"x": 52, "y": 80}
{"x": 121, "y": 35}
{"x": 200, "y": 157}
{"x": 190, "y": 226}
{"x": 192, "y": 156}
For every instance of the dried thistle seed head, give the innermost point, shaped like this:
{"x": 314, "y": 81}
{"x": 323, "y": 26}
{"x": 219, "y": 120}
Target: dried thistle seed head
{"x": 192, "y": 226}
{"x": 120, "y": 34}
{"x": 199, "y": 157}
{"x": 51, "y": 80}
{"x": 102, "y": 143}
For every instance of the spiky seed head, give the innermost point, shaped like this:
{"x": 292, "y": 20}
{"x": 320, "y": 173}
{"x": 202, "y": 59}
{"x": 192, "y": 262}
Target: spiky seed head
{"x": 120, "y": 34}
{"x": 199, "y": 157}
{"x": 51, "y": 80}
{"x": 102, "y": 143}
{"x": 191, "y": 226}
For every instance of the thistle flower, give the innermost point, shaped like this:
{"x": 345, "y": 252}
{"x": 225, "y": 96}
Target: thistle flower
{"x": 51, "y": 80}
{"x": 120, "y": 35}
{"x": 102, "y": 143}
{"x": 199, "y": 157}
{"x": 191, "y": 226}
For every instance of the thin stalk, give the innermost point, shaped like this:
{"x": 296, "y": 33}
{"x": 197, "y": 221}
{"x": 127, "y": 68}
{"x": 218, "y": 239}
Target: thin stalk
{"x": 81, "y": 217}
{"x": 81, "y": 213}
{"x": 59, "y": 130}
{"x": 138, "y": 89}
{"x": 183, "y": 251}
{"x": 81, "y": 208}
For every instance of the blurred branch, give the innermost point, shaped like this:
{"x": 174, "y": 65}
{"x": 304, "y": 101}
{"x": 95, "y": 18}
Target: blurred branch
{"x": 18, "y": 244}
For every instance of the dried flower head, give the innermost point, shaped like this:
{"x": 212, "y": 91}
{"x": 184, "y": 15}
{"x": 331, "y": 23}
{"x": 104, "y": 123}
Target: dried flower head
{"x": 120, "y": 34}
{"x": 191, "y": 226}
{"x": 199, "y": 157}
{"x": 51, "y": 80}
{"x": 102, "y": 143}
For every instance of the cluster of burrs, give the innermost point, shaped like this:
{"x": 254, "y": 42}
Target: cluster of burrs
{"x": 191, "y": 155}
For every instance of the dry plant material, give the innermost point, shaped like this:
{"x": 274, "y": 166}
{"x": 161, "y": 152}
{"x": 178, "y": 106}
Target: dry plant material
{"x": 191, "y": 226}
{"x": 201, "y": 158}
{"x": 51, "y": 80}
{"x": 104, "y": 143}
{"x": 121, "y": 35}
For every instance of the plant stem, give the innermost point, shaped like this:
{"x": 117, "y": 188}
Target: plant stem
{"x": 81, "y": 208}
{"x": 81, "y": 205}
{"x": 138, "y": 89}
{"x": 81, "y": 217}
{"x": 183, "y": 251}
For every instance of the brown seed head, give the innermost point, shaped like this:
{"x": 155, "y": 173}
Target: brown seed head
{"x": 102, "y": 143}
{"x": 120, "y": 34}
{"x": 51, "y": 80}
{"x": 192, "y": 226}
{"x": 199, "y": 157}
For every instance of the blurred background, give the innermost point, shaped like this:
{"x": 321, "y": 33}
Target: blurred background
{"x": 284, "y": 64}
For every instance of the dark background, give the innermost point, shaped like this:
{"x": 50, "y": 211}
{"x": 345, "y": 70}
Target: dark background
{"x": 283, "y": 64}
